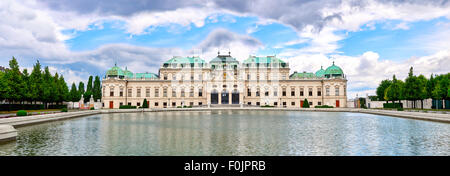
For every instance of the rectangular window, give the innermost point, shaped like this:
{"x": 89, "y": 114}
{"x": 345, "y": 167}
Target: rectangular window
{"x": 111, "y": 92}
{"x": 120, "y": 104}
{"x": 292, "y": 92}
{"x": 249, "y": 103}
{"x": 165, "y": 77}
{"x": 266, "y": 93}
{"x": 249, "y": 92}
{"x": 310, "y": 92}
{"x": 138, "y": 94}
{"x": 129, "y": 103}
{"x": 275, "y": 93}
{"x": 174, "y": 92}
{"x": 248, "y": 76}
{"x": 301, "y": 92}
{"x": 327, "y": 91}
{"x": 156, "y": 103}
{"x": 182, "y": 92}
{"x": 257, "y": 103}
{"x": 310, "y": 103}
{"x": 147, "y": 92}
{"x": 293, "y": 103}
{"x": 336, "y": 91}
{"x": 200, "y": 103}
{"x": 275, "y": 103}
{"x": 165, "y": 92}
{"x": 319, "y": 103}
{"x": 174, "y": 104}
{"x": 121, "y": 92}
{"x": 130, "y": 94}
{"x": 157, "y": 92}
{"x": 257, "y": 92}
{"x": 319, "y": 92}
{"x": 191, "y": 103}
{"x": 138, "y": 104}
{"x": 200, "y": 92}
{"x": 191, "y": 92}
{"x": 284, "y": 92}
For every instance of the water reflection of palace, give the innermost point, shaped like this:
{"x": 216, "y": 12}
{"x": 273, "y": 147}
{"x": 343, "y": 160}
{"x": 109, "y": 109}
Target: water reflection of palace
{"x": 257, "y": 81}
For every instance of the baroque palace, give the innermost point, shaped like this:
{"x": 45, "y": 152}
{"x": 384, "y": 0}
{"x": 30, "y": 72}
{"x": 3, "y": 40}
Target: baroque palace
{"x": 224, "y": 81}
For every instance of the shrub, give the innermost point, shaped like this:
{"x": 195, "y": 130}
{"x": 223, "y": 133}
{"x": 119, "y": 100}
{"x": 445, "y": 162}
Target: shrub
{"x": 127, "y": 107}
{"x": 392, "y": 105}
{"x": 21, "y": 113}
{"x": 92, "y": 108}
{"x": 267, "y": 106}
{"x": 15, "y": 107}
{"x": 179, "y": 107}
{"x": 145, "y": 104}
{"x": 64, "y": 110}
{"x": 305, "y": 103}
{"x": 323, "y": 106}
{"x": 399, "y": 109}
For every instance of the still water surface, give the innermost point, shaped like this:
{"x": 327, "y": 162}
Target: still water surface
{"x": 234, "y": 132}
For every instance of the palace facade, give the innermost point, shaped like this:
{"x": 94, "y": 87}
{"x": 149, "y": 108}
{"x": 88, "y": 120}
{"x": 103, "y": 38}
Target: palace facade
{"x": 224, "y": 81}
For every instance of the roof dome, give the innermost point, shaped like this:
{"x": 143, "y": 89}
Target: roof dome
{"x": 321, "y": 72}
{"x": 115, "y": 72}
{"x": 334, "y": 70}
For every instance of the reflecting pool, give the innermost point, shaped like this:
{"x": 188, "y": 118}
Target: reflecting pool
{"x": 233, "y": 132}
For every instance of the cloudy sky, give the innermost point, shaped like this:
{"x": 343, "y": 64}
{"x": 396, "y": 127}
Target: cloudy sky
{"x": 370, "y": 40}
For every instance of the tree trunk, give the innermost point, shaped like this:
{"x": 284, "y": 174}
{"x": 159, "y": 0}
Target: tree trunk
{"x": 421, "y": 103}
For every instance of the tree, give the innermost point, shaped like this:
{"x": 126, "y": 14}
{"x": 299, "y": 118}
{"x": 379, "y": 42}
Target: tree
{"x": 145, "y": 104}
{"x": 64, "y": 90}
{"x": 36, "y": 83}
{"x": 393, "y": 92}
{"x": 441, "y": 89}
{"x": 382, "y": 88}
{"x": 48, "y": 87}
{"x": 88, "y": 93}
{"x": 97, "y": 89}
{"x": 2, "y": 86}
{"x": 305, "y": 103}
{"x": 412, "y": 88}
{"x": 26, "y": 89}
{"x": 13, "y": 80}
{"x": 422, "y": 92}
{"x": 80, "y": 89}
{"x": 74, "y": 93}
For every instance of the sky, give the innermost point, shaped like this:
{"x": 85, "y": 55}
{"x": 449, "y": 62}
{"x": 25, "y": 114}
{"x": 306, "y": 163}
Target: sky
{"x": 370, "y": 40}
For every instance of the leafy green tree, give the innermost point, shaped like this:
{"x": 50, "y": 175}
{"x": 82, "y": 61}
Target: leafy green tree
{"x": 26, "y": 89}
{"x": 305, "y": 103}
{"x": 36, "y": 83}
{"x": 48, "y": 87}
{"x": 88, "y": 93}
{"x": 97, "y": 89}
{"x": 393, "y": 92}
{"x": 381, "y": 89}
{"x": 422, "y": 91}
{"x": 2, "y": 86}
{"x": 412, "y": 89}
{"x": 145, "y": 104}
{"x": 80, "y": 89}
{"x": 64, "y": 90}
{"x": 13, "y": 80}
{"x": 441, "y": 89}
{"x": 74, "y": 96}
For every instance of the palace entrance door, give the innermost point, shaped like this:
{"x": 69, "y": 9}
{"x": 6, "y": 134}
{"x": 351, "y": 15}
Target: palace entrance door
{"x": 337, "y": 103}
{"x": 225, "y": 97}
{"x": 111, "y": 105}
{"x": 235, "y": 97}
{"x": 214, "y": 97}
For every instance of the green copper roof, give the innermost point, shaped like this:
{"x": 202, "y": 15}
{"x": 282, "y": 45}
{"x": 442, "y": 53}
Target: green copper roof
{"x": 127, "y": 73}
{"x": 224, "y": 59}
{"x": 302, "y": 75}
{"x": 321, "y": 72}
{"x": 333, "y": 70}
{"x": 146, "y": 75}
{"x": 184, "y": 60}
{"x": 115, "y": 71}
{"x": 263, "y": 60}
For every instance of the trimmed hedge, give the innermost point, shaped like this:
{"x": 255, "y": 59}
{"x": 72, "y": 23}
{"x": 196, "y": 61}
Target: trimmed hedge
{"x": 57, "y": 106}
{"x": 392, "y": 105}
{"x": 64, "y": 110}
{"x": 267, "y": 106}
{"x": 323, "y": 106}
{"x": 92, "y": 108}
{"x": 127, "y": 107}
{"x": 21, "y": 113}
{"x": 15, "y": 107}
